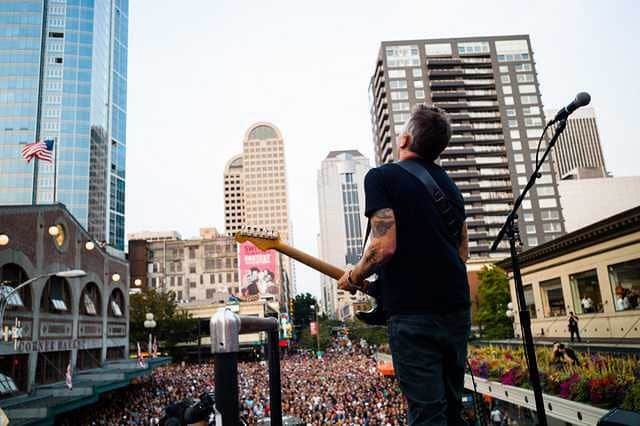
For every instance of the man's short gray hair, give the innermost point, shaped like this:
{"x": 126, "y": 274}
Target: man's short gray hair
{"x": 430, "y": 131}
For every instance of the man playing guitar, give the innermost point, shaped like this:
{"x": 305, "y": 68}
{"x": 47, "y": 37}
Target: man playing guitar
{"x": 421, "y": 263}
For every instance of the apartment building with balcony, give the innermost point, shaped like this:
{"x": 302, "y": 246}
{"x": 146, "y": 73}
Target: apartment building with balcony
{"x": 489, "y": 87}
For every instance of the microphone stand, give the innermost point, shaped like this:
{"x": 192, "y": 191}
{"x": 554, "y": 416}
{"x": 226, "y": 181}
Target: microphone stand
{"x": 510, "y": 229}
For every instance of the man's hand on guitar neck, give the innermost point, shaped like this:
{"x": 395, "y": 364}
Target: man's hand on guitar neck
{"x": 379, "y": 251}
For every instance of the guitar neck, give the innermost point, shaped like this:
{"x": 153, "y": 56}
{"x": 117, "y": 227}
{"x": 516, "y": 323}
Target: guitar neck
{"x": 310, "y": 261}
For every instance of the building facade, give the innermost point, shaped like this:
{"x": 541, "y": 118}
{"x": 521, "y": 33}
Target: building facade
{"x": 255, "y": 191}
{"x": 196, "y": 270}
{"x": 579, "y": 150}
{"x": 586, "y": 201}
{"x": 233, "y": 195}
{"x": 593, "y": 272}
{"x": 79, "y": 321}
{"x": 65, "y": 78}
{"x": 342, "y": 224}
{"x": 489, "y": 87}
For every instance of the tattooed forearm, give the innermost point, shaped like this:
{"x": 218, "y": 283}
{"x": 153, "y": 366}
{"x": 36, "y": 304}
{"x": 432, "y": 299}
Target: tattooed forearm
{"x": 382, "y": 245}
{"x": 381, "y": 222}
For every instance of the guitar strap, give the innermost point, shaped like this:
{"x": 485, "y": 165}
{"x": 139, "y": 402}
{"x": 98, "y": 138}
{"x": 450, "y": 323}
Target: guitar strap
{"x": 452, "y": 223}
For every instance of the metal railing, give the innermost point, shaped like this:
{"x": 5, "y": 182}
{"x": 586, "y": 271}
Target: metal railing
{"x": 226, "y": 327}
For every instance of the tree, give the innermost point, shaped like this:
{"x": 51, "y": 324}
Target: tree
{"x": 374, "y": 335}
{"x": 302, "y": 312}
{"x": 493, "y": 297}
{"x": 173, "y": 325}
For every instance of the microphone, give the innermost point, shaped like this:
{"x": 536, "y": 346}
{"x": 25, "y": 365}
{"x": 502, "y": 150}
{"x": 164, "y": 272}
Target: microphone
{"x": 582, "y": 99}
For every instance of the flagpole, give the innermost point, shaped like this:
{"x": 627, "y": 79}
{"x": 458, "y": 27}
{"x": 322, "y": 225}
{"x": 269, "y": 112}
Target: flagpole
{"x": 45, "y": 6}
{"x": 55, "y": 169}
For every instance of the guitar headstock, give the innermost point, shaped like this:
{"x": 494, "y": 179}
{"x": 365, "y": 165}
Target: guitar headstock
{"x": 262, "y": 238}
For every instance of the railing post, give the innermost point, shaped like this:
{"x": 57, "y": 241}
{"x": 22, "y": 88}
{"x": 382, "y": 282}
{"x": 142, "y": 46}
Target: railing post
{"x": 275, "y": 390}
{"x": 225, "y": 328}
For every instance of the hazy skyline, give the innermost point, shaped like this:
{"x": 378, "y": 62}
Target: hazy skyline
{"x": 199, "y": 76}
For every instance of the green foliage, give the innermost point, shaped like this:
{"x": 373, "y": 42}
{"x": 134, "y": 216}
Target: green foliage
{"x": 632, "y": 398}
{"x": 374, "y": 335}
{"x": 493, "y": 295}
{"x": 307, "y": 341}
{"x": 173, "y": 326}
{"x": 302, "y": 312}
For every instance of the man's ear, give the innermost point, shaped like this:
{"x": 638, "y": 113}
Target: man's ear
{"x": 404, "y": 140}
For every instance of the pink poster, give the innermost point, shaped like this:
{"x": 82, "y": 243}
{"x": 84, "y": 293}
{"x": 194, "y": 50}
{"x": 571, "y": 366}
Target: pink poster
{"x": 258, "y": 271}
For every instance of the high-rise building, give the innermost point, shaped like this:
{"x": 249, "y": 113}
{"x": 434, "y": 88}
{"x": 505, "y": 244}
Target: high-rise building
{"x": 233, "y": 195}
{"x": 64, "y": 77}
{"x": 341, "y": 207}
{"x": 197, "y": 270}
{"x": 255, "y": 191}
{"x": 489, "y": 87}
{"x": 578, "y": 152}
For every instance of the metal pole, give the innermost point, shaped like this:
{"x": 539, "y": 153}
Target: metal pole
{"x": 225, "y": 367}
{"x": 317, "y": 333}
{"x": 43, "y": 46}
{"x": 275, "y": 389}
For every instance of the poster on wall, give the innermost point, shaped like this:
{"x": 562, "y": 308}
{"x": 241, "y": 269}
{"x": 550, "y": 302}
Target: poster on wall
{"x": 259, "y": 272}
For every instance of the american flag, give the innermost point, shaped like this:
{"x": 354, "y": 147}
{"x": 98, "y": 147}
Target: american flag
{"x": 140, "y": 357}
{"x": 42, "y": 150}
{"x": 68, "y": 379}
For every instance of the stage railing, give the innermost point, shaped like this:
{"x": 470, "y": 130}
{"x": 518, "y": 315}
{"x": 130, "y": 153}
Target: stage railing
{"x": 226, "y": 328}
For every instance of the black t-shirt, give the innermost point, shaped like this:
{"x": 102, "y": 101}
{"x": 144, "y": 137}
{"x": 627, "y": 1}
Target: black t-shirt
{"x": 425, "y": 273}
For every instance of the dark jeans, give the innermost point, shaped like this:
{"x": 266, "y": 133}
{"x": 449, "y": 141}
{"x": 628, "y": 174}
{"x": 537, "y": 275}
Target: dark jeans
{"x": 429, "y": 357}
{"x": 576, "y": 332}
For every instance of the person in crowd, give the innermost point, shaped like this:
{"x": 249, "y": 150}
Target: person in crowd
{"x": 622, "y": 302}
{"x": 587, "y": 304}
{"x": 496, "y": 416}
{"x": 562, "y": 355}
{"x": 574, "y": 328}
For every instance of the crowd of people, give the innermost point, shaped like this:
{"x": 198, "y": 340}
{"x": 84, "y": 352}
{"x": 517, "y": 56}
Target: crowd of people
{"x": 342, "y": 387}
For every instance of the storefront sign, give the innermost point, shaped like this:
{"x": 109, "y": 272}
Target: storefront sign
{"x": 49, "y": 345}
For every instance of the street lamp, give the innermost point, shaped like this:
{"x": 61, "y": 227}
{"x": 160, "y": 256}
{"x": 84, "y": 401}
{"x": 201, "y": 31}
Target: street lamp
{"x": 4, "y": 239}
{"x": 137, "y": 282}
{"x": 149, "y": 324}
{"x": 89, "y": 245}
{"x": 9, "y": 295}
{"x": 510, "y": 313}
{"x": 115, "y": 277}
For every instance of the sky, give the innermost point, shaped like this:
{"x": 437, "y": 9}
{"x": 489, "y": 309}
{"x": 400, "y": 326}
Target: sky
{"x": 202, "y": 71}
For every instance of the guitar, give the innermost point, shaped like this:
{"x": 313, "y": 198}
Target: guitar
{"x": 270, "y": 240}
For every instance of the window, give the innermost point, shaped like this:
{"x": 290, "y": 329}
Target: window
{"x": 419, "y": 84}
{"x": 515, "y": 134}
{"x": 397, "y": 74}
{"x": 505, "y": 79}
{"x": 544, "y": 191}
{"x": 401, "y": 95}
{"x": 520, "y": 169}
{"x": 553, "y": 298}
{"x": 519, "y": 158}
{"x": 529, "y": 300}
{"x": 531, "y": 229}
{"x": 550, "y": 215}
{"x": 402, "y": 56}
{"x": 528, "y": 217}
{"x": 417, "y": 72}
{"x": 401, "y": 106}
{"x": 532, "y": 133}
{"x": 192, "y": 269}
{"x": 513, "y": 123}
{"x": 625, "y": 283}
{"x": 504, "y": 68}
{"x": 522, "y": 180}
{"x": 89, "y": 306}
{"x": 524, "y": 78}
{"x": 532, "y": 121}
{"x": 401, "y": 117}
{"x": 528, "y": 99}
{"x": 398, "y": 84}
{"x": 532, "y": 241}
{"x": 510, "y": 112}
{"x": 546, "y": 203}
{"x": 470, "y": 47}
{"x": 56, "y": 296}
{"x": 523, "y": 67}
{"x": 508, "y": 100}
{"x": 115, "y": 308}
{"x": 551, "y": 227}
{"x": 210, "y": 293}
{"x": 531, "y": 110}
{"x": 516, "y": 146}
{"x": 419, "y": 94}
{"x": 585, "y": 290}
{"x": 436, "y": 49}
{"x": 527, "y": 88}
{"x": 507, "y": 90}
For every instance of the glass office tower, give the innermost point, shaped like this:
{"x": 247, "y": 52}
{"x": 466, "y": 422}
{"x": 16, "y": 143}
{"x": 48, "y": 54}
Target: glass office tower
{"x": 63, "y": 76}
